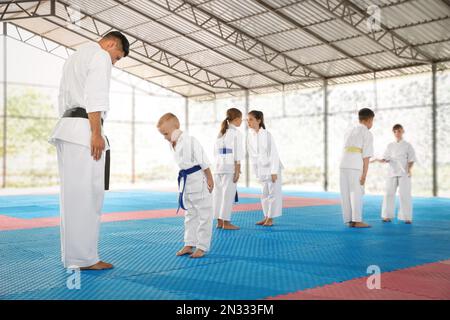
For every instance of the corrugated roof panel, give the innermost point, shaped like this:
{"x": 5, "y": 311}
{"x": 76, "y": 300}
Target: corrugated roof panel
{"x": 253, "y": 80}
{"x": 152, "y": 32}
{"x": 339, "y": 67}
{"x": 230, "y": 70}
{"x": 440, "y": 51}
{"x": 289, "y": 40}
{"x": 262, "y": 24}
{"x": 413, "y": 12}
{"x": 426, "y": 33}
{"x": 232, "y": 9}
{"x": 315, "y": 54}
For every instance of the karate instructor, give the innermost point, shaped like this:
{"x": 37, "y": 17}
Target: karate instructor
{"x": 82, "y": 148}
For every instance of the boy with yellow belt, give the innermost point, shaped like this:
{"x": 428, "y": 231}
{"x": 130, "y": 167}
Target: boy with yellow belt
{"x": 358, "y": 149}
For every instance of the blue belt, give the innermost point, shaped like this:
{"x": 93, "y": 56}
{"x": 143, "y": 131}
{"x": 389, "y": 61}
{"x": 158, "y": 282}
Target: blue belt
{"x": 182, "y": 174}
{"x": 225, "y": 150}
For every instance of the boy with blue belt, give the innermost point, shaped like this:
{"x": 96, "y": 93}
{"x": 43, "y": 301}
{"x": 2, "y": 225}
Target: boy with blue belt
{"x": 195, "y": 184}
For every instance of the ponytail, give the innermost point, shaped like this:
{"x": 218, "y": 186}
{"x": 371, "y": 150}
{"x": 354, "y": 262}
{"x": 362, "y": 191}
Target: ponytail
{"x": 224, "y": 127}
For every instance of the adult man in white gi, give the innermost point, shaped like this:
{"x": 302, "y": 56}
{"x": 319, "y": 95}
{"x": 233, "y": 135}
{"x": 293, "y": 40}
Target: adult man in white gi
{"x": 401, "y": 158}
{"x": 81, "y": 148}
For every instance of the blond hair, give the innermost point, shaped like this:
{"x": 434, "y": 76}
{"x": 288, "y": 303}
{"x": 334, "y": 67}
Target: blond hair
{"x": 168, "y": 117}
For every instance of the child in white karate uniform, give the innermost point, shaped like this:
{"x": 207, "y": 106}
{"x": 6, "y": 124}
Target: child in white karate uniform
{"x": 267, "y": 167}
{"x": 400, "y": 156}
{"x": 229, "y": 152}
{"x": 195, "y": 184}
{"x": 354, "y": 166}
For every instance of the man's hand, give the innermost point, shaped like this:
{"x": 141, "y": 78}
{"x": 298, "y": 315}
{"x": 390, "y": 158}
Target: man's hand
{"x": 97, "y": 146}
{"x": 97, "y": 141}
{"x": 236, "y": 177}
{"x": 274, "y": 178}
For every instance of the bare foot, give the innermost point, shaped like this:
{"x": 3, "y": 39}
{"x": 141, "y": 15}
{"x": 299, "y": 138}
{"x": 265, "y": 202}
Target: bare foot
{"x": 408, "y": 222}
{"x": 228, "y": 226}
{"x": 260, "y": 223}
{"x": 360, "y": 225}
{"x": 219, "y": 224}
{"x": 268, "y": 223}
{"x": 99, "y": 266}
{"x": 350, "y": 224}
{"x": 387, "y": 220}
{"x": 185, "y": 250}
{"x": 198, "y": 254}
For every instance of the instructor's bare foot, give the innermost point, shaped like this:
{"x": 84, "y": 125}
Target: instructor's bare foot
{"x": 198, "y": 254}
{"x": 360, "y": 225}
{"x": 408, "y": 222}
{"x": 185, "y": 250}
{"x": 219, "y": 224}
{"x": 268, "y": 223}
{"x": 387, "y": 220}
{"x": 99, "y": 266}
{"x": 228, "y": 226}
{"x": 260, "y": 223}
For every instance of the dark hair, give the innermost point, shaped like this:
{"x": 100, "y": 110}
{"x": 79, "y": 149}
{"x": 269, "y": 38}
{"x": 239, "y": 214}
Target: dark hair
{"x": 397, "y": 127}
{"x": 366, "y": 114}
{"x": 123, "y": 41}
{"x": 258, "y": 115}
{"x": 232, "y": 114}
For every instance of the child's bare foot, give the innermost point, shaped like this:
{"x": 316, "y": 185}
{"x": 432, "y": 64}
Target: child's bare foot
{"x": 360, "y": 225}
{"x": 228, "y": 226}
{"x": 408, "y": 222}
{"x": 350, "y": 224}
{"x": 268, "y": 223}
{"x": 387, "y": 220}
{"x": 219, "y": 224}
{"x": 260, "y": 223}
{"x": 185, "y": 250}
{"x": 198, "y": 254}
{"x": 99, "y": 266}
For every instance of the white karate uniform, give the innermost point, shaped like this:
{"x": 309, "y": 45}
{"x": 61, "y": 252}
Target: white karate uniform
{"x": 85, "y": 83}
{"x": 197, "y": 199}
{"x": 399, "y": 154}
{"x": 265, "y": 162}
{"x": 224, "y": 187}
{"x": 351, "y": 168}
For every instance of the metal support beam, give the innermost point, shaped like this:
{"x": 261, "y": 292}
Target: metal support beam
{"x": 186, "y": 114}
{"x": 25, "y": 9}
{"x": 133, "y": 135}
{"x": 216, "y": 26}
{"x": 325, "y": 135}
{"x": 247, "y": 158}
{"x": 298, "y": 25}
{"x": 5, "y": 100}
{"x": 358, "y": 19}
{"x": 434, "y": 129}
{"x": 142, "y": 48}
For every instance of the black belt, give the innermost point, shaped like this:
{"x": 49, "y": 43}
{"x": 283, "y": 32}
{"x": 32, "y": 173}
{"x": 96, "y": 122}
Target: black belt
{"x": 81, "y": 113}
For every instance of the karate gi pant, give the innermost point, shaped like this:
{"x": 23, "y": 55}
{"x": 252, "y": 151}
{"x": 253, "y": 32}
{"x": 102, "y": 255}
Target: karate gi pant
{"x": 272, "y": 197}
{"x": 403, "y": 183}
{"x": 198, "y": 219}
{"x": 352, "y": 193}
{"x": 81, "y": 201}
{"x": 223, "y": 196}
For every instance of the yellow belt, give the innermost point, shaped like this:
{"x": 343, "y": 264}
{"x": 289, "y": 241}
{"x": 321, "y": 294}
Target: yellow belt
{"x": 353, "y": 150}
